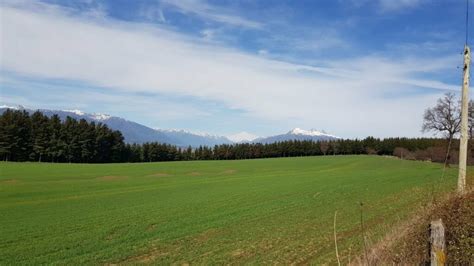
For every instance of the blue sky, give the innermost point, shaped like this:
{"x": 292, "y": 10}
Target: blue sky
{"x": 351, "y": 67}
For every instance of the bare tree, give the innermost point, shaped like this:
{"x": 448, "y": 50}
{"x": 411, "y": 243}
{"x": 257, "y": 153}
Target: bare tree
{"x": 400, "y": 152}
{"x": 444, "y": 118}
{"x": 324, "y": 147}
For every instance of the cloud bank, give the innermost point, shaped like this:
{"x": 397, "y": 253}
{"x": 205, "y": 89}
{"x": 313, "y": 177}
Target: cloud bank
{"x": 353, "y": 97}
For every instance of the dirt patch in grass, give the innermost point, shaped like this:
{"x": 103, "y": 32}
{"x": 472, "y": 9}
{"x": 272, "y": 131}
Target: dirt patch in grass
{"x": 160, "y": 253}
{"x": 229, "y": 171}
{"x": 470, "y": 180}
{"x": 155, "y": 252}
{"x": 10, "y": 182}
{"x": 409, "y": 242}
{"x": 147, "y": 258}
{"x": 206, "y": 235}
{"x": 158, "y": 250}
{"x": 111, "y": 177}
{"x": 237, "y": 253}
{"x": 159, "y": 175}
{"x": 194, "y": 173}
{"x": 151, "y": 227}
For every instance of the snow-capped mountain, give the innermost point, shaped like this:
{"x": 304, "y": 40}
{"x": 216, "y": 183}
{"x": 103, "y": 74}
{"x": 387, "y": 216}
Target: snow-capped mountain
{"x": 134, "y": 132}
{"x": 312, "y": 133}
{"x": 188, "y": 138}
{"x": 242, "y": 137}
{"x": 93, "y": 116}
{"x": 75, "y": 111}
{"x": 3, "y": 106}
{"x": 298, "y": 134}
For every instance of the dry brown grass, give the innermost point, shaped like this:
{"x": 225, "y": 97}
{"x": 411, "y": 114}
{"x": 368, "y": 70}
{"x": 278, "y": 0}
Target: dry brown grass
{"x": 408, "y": 243}
{"x": 194, "y": 173}
{"x": 111, "y": 177}
{"x": 229, "y": 171}
{"x": 10, "y": 182}
{"x": 159, "y": 175}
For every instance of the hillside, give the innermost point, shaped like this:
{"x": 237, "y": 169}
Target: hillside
{"x": 134, "y": 132}
{"x": 137, "y": 133}
{"x": 298, "y": 134}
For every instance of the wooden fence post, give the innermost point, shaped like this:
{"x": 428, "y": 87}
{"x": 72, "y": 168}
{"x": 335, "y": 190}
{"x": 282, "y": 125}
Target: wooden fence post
{"x": 437, "y": 243}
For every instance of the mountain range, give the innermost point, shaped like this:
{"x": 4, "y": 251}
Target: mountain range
{"x": 137, "y": 133}
{"x": 297, "y": 134}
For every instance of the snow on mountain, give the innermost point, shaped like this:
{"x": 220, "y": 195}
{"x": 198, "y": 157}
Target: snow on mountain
{"x": 187, "y": 138}
{"x": 312, "y": 132}
{"x": 100, "y": 117}
{"x": 94, "y": 116}
{"x": 182, "y": 131}
{"x": 3, "y": 106}
{"x": 297, "y": 134}
{"x": 242, "y": 137}
{"x": 74, "y": 111}
{"x": 134, "y": 132}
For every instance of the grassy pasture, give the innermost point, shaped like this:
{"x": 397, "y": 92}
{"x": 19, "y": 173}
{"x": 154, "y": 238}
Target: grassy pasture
{"x": 206, "y": 212}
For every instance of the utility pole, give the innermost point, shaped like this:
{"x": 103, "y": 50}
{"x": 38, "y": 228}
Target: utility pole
{"x": 464, "y": 119}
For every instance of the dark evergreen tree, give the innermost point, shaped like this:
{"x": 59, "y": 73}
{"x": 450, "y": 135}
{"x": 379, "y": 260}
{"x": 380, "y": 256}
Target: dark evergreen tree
{"x": 56, "y": 147}
{"x": 39, "y": 138}
{"x": 40, "y": 134}
{"x": 7, "y": 135}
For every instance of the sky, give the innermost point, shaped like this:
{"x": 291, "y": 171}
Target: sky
{"x": 353, "y": 68}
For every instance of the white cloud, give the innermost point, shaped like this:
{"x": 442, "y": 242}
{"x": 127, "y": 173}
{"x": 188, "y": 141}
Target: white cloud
{"x": 152, "y": 14}
{"x": 304, "y": 39}
{"x": 96, "y": 10}
{"x": 209, "y": 12}
{"x": 150, "y": 111}
{"x": 208, "y": 34}
{"x": 345, "y": 97}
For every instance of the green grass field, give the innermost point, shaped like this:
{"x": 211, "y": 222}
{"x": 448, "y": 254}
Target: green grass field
{"x": 206, "y": 212}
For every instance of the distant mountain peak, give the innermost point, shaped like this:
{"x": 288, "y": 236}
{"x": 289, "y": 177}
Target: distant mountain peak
{"x": 18, "y": 107}
{"x": 75, "y": 111}
{"x": 298, "y": 134}
{"x": 137, "y": 133}
{"x": 312, "y": 132}
{"x": 94, "y": 116}
{"x": 242, "y": 137}
{"x": 100, "y": 117}
{"x": 183, "y": 131}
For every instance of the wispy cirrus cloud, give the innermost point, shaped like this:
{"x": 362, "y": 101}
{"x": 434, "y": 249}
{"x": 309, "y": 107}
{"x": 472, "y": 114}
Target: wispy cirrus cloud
{"x": 207, "y": 11}
{"x": 389, "y": 5}
{"x": 349, "y": 96}
{"x": 152, "y": 14}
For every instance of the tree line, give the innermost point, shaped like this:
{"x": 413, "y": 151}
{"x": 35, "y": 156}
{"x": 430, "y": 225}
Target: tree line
{"x": 37, "y": 137}
{"x": 153, "y": 152}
